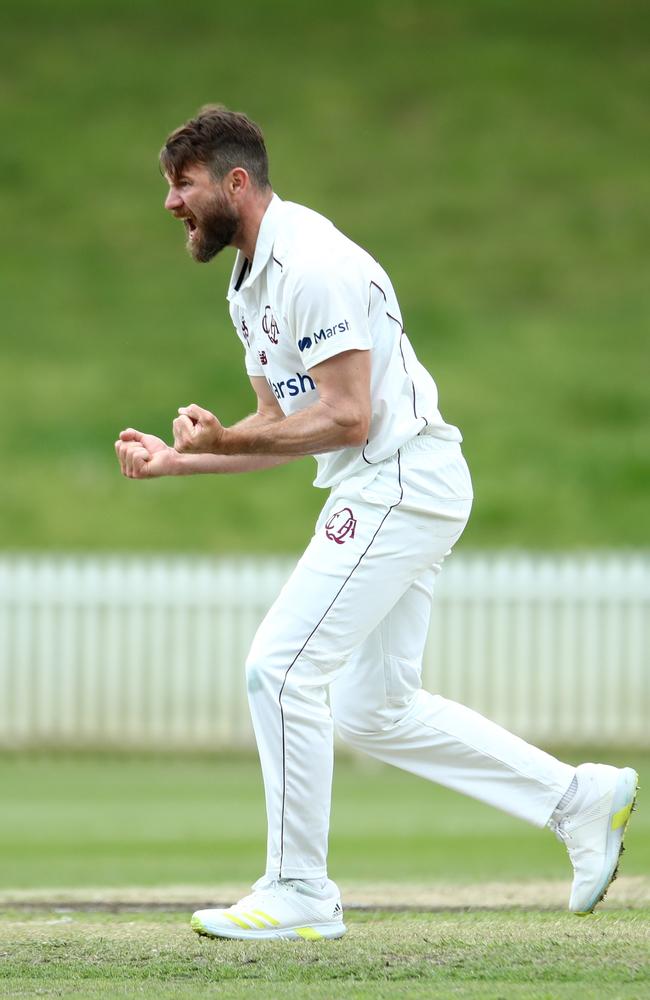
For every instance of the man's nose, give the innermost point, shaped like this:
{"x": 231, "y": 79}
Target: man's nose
{"x": 173, "y": 201}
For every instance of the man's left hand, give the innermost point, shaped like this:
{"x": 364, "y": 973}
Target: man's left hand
{"x": 197, "y": 430}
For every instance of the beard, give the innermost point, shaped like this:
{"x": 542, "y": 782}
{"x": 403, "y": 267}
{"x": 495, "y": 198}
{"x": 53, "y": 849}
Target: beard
{"x": 215, "y": 228}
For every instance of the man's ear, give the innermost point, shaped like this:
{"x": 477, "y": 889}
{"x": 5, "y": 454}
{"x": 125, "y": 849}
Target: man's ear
{"x": 237, "y": 181}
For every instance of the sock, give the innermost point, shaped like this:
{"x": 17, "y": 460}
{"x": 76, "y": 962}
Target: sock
{"x": 566, "y": 800}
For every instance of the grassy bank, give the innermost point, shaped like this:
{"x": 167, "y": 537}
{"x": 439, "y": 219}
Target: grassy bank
{"x": 492, "y": 156}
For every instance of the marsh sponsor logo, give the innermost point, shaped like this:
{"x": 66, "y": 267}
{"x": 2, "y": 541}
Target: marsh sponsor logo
{"x": 323, "y": 334}
{"x": 293, "y": 386}
{"x": 331, "y": 331}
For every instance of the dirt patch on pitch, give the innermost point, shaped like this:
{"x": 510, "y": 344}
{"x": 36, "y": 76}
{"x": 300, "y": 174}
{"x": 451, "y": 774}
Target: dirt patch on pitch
{"x": 626, "y": 892}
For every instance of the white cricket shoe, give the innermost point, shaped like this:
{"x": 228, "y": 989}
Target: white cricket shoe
{"x": 593, "y": 827}
{"x": 286, "y": 908}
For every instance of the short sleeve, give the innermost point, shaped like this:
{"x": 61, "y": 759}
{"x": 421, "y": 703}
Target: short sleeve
{"x": 253, "y": 367}
{"x": 328, "y": 310}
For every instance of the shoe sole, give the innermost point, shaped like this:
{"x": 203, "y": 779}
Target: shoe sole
{"x": 623, "y": 805}
{"x": 312, "y": 932}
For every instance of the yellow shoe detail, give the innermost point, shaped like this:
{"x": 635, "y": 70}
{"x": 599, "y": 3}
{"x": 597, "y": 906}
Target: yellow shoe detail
{"x": 309, "y": 934}
{"x": 621, "y": 817}
{"x": 236, "y": 920}
{"x": 265, "y": 916}
{"x": 254, "y": 920}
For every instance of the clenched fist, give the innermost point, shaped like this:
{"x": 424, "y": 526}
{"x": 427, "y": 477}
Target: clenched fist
{"x": 197, "y": 430}
{"x": 144, "y": 456}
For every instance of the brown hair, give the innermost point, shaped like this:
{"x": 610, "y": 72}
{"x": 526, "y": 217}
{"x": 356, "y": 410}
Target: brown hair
{"x": 219, "y": 139}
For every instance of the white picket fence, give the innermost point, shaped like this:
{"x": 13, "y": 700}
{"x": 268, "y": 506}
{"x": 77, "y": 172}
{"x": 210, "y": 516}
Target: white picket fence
{"x": 148, "y": 652}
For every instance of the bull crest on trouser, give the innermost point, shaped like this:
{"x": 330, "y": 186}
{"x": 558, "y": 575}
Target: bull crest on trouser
{"x": 341, "y": 526}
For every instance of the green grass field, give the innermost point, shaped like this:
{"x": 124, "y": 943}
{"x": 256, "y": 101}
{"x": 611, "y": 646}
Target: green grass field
{"x": 103, "y": 858}
{"x": 492, "y": 956}
{"x": 78, "y": 821}
{"x": 492, "y": 155}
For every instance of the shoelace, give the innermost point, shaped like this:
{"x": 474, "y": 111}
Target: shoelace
{"x": 268, "y": 889}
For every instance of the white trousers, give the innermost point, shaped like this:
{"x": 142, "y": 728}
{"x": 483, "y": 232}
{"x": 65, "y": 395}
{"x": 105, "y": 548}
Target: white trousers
{"x": 342, "y": 646}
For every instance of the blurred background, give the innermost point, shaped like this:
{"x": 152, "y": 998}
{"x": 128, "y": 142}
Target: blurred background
{"x": 494, "y": 157}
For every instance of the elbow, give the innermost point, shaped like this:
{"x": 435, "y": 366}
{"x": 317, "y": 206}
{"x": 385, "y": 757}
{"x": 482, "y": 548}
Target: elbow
{"x": 356, "y": 432}
{"x": 350, "y": 425}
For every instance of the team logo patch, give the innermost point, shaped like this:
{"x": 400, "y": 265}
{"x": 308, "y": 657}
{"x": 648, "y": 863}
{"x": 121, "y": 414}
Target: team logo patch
{"x": 269, "y": 325}
{"x": 244, "y": 330}
{"x": 263, "y": 358}
{"x": 341, "y": 526}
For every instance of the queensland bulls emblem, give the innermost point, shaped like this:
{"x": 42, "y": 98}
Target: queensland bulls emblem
{"x": 269, "y": 325}
{"x": 341, "y": 526}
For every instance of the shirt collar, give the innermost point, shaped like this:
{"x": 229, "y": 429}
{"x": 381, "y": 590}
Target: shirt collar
{"x": 263, "y": 248}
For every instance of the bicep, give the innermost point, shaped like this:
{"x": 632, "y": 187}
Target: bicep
{"x": 343, "y": 383}
{"x": 267, "y": 404}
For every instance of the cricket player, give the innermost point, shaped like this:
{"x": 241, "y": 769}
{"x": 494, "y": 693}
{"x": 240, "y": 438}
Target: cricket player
{"x": 335, "y": 376}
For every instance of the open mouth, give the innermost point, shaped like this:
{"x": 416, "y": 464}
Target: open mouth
{"x": 190, "y": 228}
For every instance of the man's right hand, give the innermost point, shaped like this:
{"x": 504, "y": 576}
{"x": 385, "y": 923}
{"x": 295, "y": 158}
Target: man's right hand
{"x": 144, "y": 456}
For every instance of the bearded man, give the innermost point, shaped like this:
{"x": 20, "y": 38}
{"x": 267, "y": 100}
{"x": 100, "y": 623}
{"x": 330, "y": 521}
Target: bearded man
{"x": 335, "y": 376}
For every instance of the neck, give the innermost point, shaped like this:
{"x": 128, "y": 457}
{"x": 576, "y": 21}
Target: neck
{"x": 250, "y": 222}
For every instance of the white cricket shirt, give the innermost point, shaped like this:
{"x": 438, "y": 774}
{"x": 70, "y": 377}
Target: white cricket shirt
{"x": 311, "y": 293}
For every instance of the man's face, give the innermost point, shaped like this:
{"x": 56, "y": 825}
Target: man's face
{"x": 210, "y": 218}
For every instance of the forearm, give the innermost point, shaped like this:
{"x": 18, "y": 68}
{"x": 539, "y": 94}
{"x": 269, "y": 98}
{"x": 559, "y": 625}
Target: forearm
{"x": 193, "y": 465}
{"x": 189, "y": 464}
{"x": 314, "y": 430}
{"x": 340, "y": 418}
